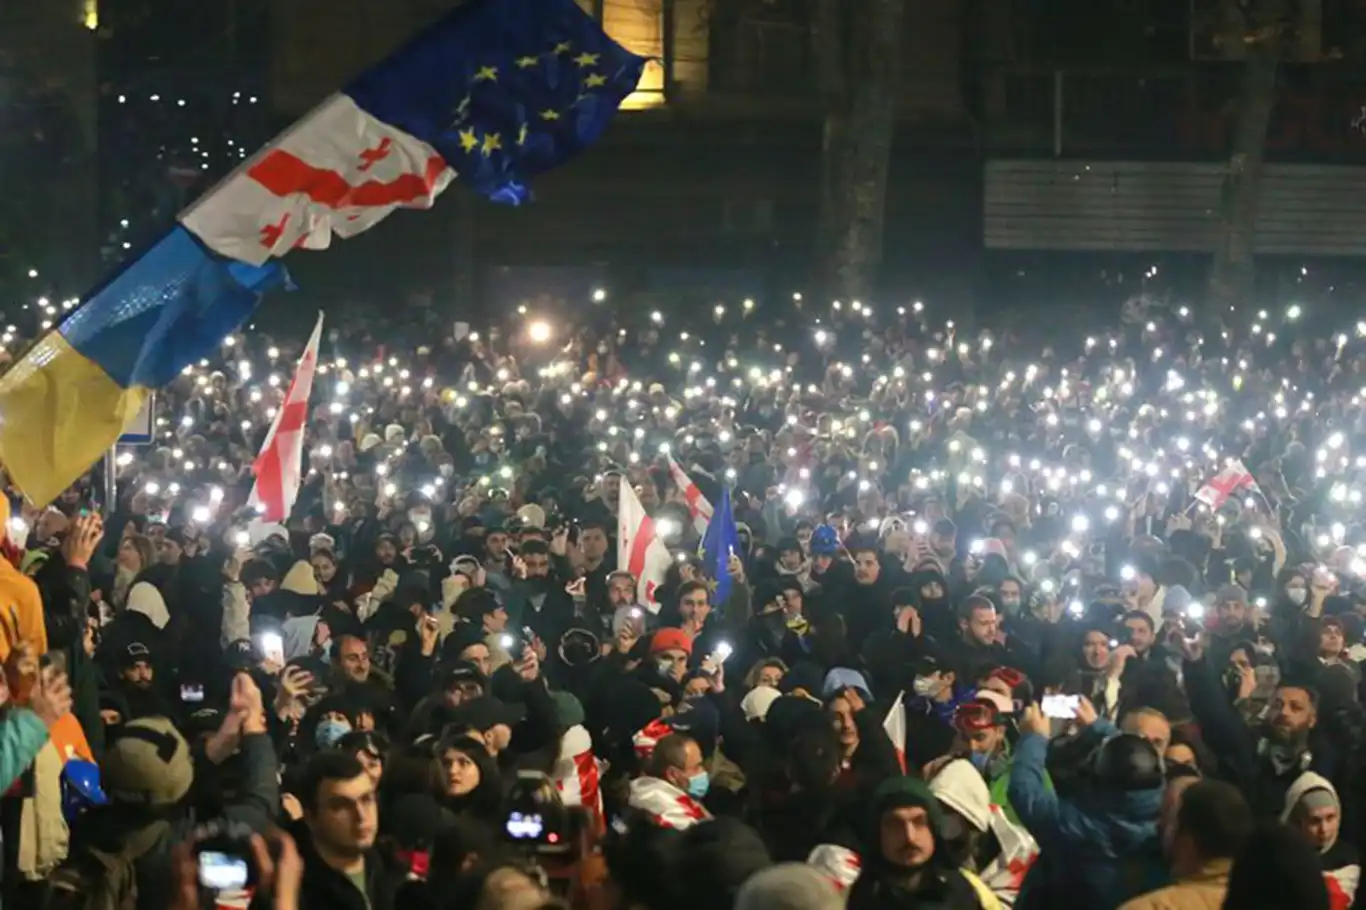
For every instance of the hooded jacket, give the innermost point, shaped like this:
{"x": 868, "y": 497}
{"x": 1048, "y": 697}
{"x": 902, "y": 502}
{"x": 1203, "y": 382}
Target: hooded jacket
{"x": 1095, "y": 852}
{"x": 959, "y": 786}
{"x": 21, "y": 607}
{"x": 881, "y": 885}
{"x": 1339, "y": 861}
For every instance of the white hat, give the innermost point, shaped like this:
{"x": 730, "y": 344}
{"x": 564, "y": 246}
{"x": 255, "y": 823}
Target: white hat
{"x": 758, "y": 701}
{"x": 144, "y": 598}
{"x": 532, "y": 515}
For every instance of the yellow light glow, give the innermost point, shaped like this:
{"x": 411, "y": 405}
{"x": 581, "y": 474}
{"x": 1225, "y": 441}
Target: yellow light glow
{"x": 639, "y": 27}
{"x": 91, "y": 17}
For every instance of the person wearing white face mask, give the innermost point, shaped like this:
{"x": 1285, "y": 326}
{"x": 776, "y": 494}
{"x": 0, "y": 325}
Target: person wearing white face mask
{"x": 929, "y": 713}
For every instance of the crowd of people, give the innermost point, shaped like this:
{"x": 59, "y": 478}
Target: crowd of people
{"x": 1003, "y": 625}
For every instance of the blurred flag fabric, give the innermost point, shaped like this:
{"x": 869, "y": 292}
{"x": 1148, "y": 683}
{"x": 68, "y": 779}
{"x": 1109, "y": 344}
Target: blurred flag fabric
{"x": 640, "y": 550}
{"x": 699, "y": 507}
{"x": 494, "y": 92}
{"x": 720, "y": 541}
{"x": 279, "y": 465}
{"x": 67, "y": 400}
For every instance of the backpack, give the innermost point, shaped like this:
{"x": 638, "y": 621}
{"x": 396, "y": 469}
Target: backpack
{"x": 93, "y": 879}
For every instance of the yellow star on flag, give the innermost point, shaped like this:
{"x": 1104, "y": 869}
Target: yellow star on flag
{"x": 549, "y": 114}
{"x": 527, "y": 62}
{"x": 486, "y": 74}
{"x": 521, "y": 135}
{"x": 469, "y": 140}
{"x": 492, "y": 142}
{"x": 594, "y": 80}
{"x": 563, "y": 47}
{"x": 586, "y": 59}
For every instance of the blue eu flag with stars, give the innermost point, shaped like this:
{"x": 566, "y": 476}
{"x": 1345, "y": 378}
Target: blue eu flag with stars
{"x": 503, "y": 89}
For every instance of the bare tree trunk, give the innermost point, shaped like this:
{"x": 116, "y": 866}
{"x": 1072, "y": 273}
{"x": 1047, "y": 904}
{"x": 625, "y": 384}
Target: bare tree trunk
{"x": 1234, "y": 273}
{"x": 857, "y": 50}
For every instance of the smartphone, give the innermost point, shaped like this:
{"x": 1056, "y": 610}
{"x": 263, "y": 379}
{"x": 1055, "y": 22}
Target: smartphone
{"x": 191, "y": 694}
{"x": 272, "y": 647}
{"x": 1062, "y": 707}
{"x": 222, "y": 871}
{"x": 723, "y": 651}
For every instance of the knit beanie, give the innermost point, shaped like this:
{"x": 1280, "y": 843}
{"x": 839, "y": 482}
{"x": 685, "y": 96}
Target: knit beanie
{"x": 905, "y": 792}
{"x": 148, "y": 764}
{"x": 790, "y": 886}
{"x": 300, "y": 580}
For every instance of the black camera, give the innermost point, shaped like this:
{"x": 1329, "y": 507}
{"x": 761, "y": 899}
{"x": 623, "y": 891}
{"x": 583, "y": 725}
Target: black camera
{"x": 534, "y": 817}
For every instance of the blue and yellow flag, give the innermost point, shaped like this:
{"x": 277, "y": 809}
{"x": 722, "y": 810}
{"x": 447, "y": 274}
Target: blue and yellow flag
{"x": 495, "y": 92}
{"x": 67, "y": 400}
{"x": 503, "y": 89}
{"x": 721, "y": 541}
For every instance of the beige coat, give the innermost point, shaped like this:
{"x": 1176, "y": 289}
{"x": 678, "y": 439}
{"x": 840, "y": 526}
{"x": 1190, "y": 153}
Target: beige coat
{"x": 1203, "y": 891}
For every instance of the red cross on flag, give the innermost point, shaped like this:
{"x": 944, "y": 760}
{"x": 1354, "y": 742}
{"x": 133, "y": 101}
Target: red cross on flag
{"x": 699, "y": 508}
{"x": 338, "y": 171}
{"x": 1230, "y": 480}
{"x": 279, "y": 465}
{"x": 640, "y": 551}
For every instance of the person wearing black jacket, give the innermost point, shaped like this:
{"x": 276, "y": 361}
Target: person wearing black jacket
{"x": 1264, "y": 763}
{"x": 336, "y": 838}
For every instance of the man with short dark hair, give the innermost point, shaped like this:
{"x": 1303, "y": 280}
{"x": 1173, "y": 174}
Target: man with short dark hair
{"x": 675, "y": 781}
{"x": 336, "y": 837}
{"x": 1264, "y": 761}
{"x": 1211, "y": 826}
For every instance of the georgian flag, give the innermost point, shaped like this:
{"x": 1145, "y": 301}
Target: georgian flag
{"x": 278, "y": 466}
{"x": 339, "y": 170}
{"x": 576, "y": 774}
{"x": 1233, "y": 478}
{"x": 698, "y": 506}
{"x": 840, "y": 865}
{"x": 666, "y": 805}
{"x": 895, "y": 725}
{"x": 639, "y": 550}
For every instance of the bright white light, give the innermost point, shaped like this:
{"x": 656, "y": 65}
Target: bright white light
{"x": 202, "y": 515}
{"x": 599, "y": 295}
{"x": 1128, "y": 573}
{"x": 1080, "y": 524}
{"x": 539, "y": 332}
{"x": 667, "y": 528}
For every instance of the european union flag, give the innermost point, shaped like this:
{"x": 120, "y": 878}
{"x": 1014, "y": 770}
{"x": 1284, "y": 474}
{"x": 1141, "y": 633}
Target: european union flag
{"x": 503, "y": 89}
{"x": 720, "y": 541}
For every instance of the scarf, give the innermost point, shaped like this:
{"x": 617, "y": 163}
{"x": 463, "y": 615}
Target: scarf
{"x": 576, "y": 775}
{"x": 666, "y": 805}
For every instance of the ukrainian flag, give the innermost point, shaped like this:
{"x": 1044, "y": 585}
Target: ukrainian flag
{"x": 68, "y": 399}
{"x": 493, "y": 92}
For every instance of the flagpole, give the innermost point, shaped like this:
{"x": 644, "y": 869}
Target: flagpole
{"x": 111, "y": 494}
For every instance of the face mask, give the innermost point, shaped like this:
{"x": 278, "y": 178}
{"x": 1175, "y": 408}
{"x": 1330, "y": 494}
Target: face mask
{"x": 699, "y": 784}
{"x": 330, "y": 732}
{"x": 979, "y": 760}
{"x": 1297, "y": 595}
{"x": 925, "y": 686}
